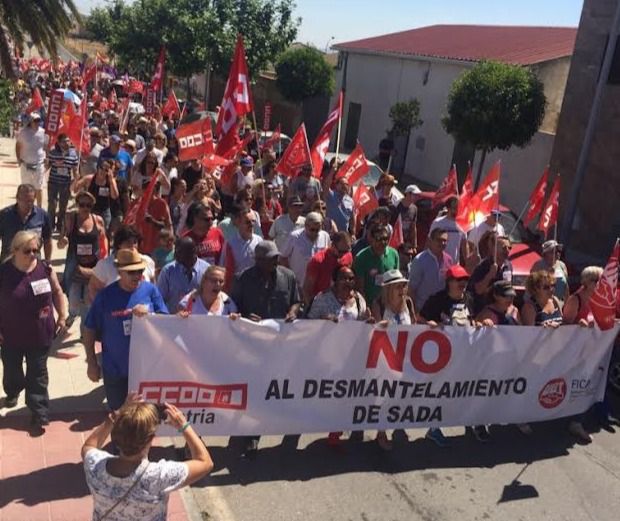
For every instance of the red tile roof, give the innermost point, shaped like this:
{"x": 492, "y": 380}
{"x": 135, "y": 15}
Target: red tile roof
{"x": 508, "y": 44}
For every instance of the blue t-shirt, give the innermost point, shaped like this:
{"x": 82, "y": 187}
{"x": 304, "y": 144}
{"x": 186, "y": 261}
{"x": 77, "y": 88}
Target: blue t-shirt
{"x": 339, "y": 209}
{"x": 122, "y": 157}
{"x": 111, "y": 316}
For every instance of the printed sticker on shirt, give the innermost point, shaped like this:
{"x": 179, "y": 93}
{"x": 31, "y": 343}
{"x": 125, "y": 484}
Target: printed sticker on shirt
{"x": 127, "y": 327}
{"x": 104, "y": 191}
{"x": 84, "y": 249}
{"x": 40, "y": 287}
{"x": 44, "y": 312}
{"x": 62, "y": 171}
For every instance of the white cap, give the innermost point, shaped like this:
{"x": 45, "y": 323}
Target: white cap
{"x": 413, "y": 189}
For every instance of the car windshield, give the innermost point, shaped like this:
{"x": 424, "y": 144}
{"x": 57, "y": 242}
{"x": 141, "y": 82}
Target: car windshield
{"x": 372, "y": 177}
{"x": 517, "y": 233}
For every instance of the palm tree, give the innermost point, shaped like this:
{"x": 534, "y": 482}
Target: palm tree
{"x": 40, "y": 21}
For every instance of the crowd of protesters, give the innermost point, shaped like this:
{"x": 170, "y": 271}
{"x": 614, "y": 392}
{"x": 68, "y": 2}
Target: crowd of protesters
{"x": 262, "y": 246}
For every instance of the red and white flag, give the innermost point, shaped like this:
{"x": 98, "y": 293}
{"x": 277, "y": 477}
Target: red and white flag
{"x": 90, "y": 73}
{"x": 237, "y": 99}
{"x": 549, "y": 215}
{"x": 273, "y": 139}
{"x": 484, "y": 201}
{"x": 137, "y": 211}
{"x": 355, "y": 167}
{"x": 172, "y": 105}
{"x": 53, "y": 122}
{"x": 77, "y": 128}
{"x": 135, "y": 87}
{"x": 158, "y": 76}
{"x": 397, "y": 237}
{"x": 195, "y": 139}
{"x": 448, "y": 188}
{"x": 296, "y": 155}
{"x": 150, "y": 101}
{"x": 364, "y": 202}
{"x": 537, "y": 198}
{"x": 112, "y": 99}
{"x": 228, "y": 143}
{"x": 267, "y": 117}
{"x": 467, "y": 191}
{"x": 603, "y": 301}
{"x": 36, "y": 102}
{"x": 321, "y": 143}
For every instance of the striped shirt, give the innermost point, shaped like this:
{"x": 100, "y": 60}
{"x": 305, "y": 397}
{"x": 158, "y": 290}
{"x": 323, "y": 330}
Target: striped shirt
{"x": 61, "y": 165}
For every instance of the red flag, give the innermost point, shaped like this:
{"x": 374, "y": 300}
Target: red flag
{"x": 275, "y": 138}
{"x": 53, "y": 121}
{"x": 537, "y": 199}
{"x": 448, "y": 188}
{"x": 467, "y": 192}
{"x": 364, "y": 201}
{"x": 158, "y": 76}
{"x": 355, "y": 167}
{"x": 213, "y": 161}
{"x": 603, "y": 301}
{"x": 237, "y": 99}
{"x": 484, "y": 201}
{"x": 172, "y": 105}
{"x": 149, "y": 102}
{"x": 296, "y": 155}
{"x": 229, "y": 142}
{"x": 36, "y": 102}
{"x": 135, "y": 87}
{"x": 90, "y": 73}
{"x": 112, "y": 99}
{"x": 397, "y": 237}
{"x": 195, "y": 139}
{"x": 321, "y": 143}
{"x": 549, "y": 215}
{"x": 77, "y": 128}
{"x": 137, "y": 211}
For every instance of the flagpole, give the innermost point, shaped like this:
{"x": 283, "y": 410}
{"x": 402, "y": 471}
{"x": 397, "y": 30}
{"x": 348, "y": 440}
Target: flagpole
{"x": 84, "y": 112}
{"x": 338, "y": 132}
{"x": 389, "y": 165}
{"x": 499, "y": 177}
{"x": 525, "y": 207}
{"x": 256, "y": 133}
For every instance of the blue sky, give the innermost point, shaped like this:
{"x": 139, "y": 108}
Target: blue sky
{"x": 352, "y": 19}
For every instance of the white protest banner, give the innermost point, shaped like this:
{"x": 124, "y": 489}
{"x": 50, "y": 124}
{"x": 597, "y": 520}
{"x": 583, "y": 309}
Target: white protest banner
{"x": 238, "y": 377}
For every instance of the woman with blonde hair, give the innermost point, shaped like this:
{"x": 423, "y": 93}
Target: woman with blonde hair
{"x": 129, "y": 486}
{"x": 29, "y": 294}
{"x": 208, "y": 299}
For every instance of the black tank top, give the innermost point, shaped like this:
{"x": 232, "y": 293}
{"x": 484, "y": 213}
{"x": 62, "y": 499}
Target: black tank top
{"x": 84, "y": 245}
{"x": 503, "y": 319}
{"x": 101, "y": 194}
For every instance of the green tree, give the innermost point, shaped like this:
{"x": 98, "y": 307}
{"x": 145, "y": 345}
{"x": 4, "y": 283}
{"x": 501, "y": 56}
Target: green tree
{"x": 495, "y": 105}
{"x": 303, "y": 73}
{"x": 405, "y": 116}
{"x": 41, "y": 22}
{"x": 198, "y": 34}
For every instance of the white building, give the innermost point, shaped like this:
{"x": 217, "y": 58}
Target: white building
{"x": 422, "y": 63}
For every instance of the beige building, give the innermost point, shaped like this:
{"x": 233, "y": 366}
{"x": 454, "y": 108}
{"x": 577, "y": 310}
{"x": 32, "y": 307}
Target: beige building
{"x": 423, "y": 63}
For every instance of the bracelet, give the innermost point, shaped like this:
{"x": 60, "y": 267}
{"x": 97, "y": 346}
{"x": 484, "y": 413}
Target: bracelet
{"x": 184, "y": 427}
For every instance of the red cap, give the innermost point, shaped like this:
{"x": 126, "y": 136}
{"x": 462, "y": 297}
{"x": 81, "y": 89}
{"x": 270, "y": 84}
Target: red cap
{"x": 457, "y": 272}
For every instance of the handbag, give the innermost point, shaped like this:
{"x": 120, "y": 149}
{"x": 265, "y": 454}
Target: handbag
{"x": 124, "y": 496}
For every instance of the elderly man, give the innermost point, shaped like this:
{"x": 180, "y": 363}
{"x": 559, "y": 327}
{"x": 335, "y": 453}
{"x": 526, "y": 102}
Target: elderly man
{"x": 119, "y": 156}
{"x": 303, "y": 244}
{"x": 373, "y": 261}
{"x": 238, "y": 252}
{"x": 266, "y": 290}
{"x": 110, "y": 318}
{"x": 427, "y": 273}
{"x": 285, "y": 224}
{"x": 63, "y": 162}
{"x": 321, "y": 267}
{"x": 182, "y": 275}
{"x": 24, "y": 215}
{"x": 30, "y": 154}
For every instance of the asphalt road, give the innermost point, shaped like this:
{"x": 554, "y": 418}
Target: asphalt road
{"x": 546, "y": 476}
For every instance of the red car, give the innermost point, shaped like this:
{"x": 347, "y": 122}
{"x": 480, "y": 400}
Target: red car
{"x": 524, "y": 242}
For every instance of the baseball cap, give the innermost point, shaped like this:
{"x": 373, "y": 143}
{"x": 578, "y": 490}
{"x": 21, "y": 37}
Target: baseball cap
{"x": 295, "y": 201}
{"x": 413, "y": 189}
{"x": 114, "y": 138}
{"x": 392, "y": 277}
{"x": 550, "y": 245}
{"x": 246, "y": 161}
{"x": 504, "y": 288}
{"x": 34, "y": 115}
{"x": 266, "y": 250}
{"x": 457, "y": 272}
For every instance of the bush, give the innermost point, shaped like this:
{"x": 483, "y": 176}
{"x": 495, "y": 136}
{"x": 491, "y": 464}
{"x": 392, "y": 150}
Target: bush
{"x": 304, "y": 73}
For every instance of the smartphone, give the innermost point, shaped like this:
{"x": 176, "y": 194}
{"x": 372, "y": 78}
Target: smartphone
{"x": 161, "y": 411}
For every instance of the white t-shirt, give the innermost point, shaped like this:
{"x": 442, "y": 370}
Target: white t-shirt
{"x": 33, "y": 145}
{"x": 476, "y": 234}
{"x": 455, "y": 235}
{"x": 282, "y": 227}
{"x": 141, "y": 154}
{"x": 225, "y": 305}
{"x": 300, "y": 250}
{"x": 147, "y": 501}
{"x": 106, "y": 271}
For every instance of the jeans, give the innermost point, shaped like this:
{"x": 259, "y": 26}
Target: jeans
{"x": 115, "y": 390}
{"x": 77, "y": 295}
{"x": 57, "y": 194}
{"x": 35, "y": 380}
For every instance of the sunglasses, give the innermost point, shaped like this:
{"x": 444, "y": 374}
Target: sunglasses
{"x": 134, "y": 273}
{"x": 31, "y": 251}
{"x": 383, "y": 238}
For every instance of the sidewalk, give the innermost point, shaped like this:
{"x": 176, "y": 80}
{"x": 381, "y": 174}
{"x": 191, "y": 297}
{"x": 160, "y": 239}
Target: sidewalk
{"x": 41, "y": 478}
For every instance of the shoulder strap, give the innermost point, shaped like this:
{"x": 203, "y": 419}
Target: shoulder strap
{"x": 410, "y": 306}
{"x": 124, "y": 496}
